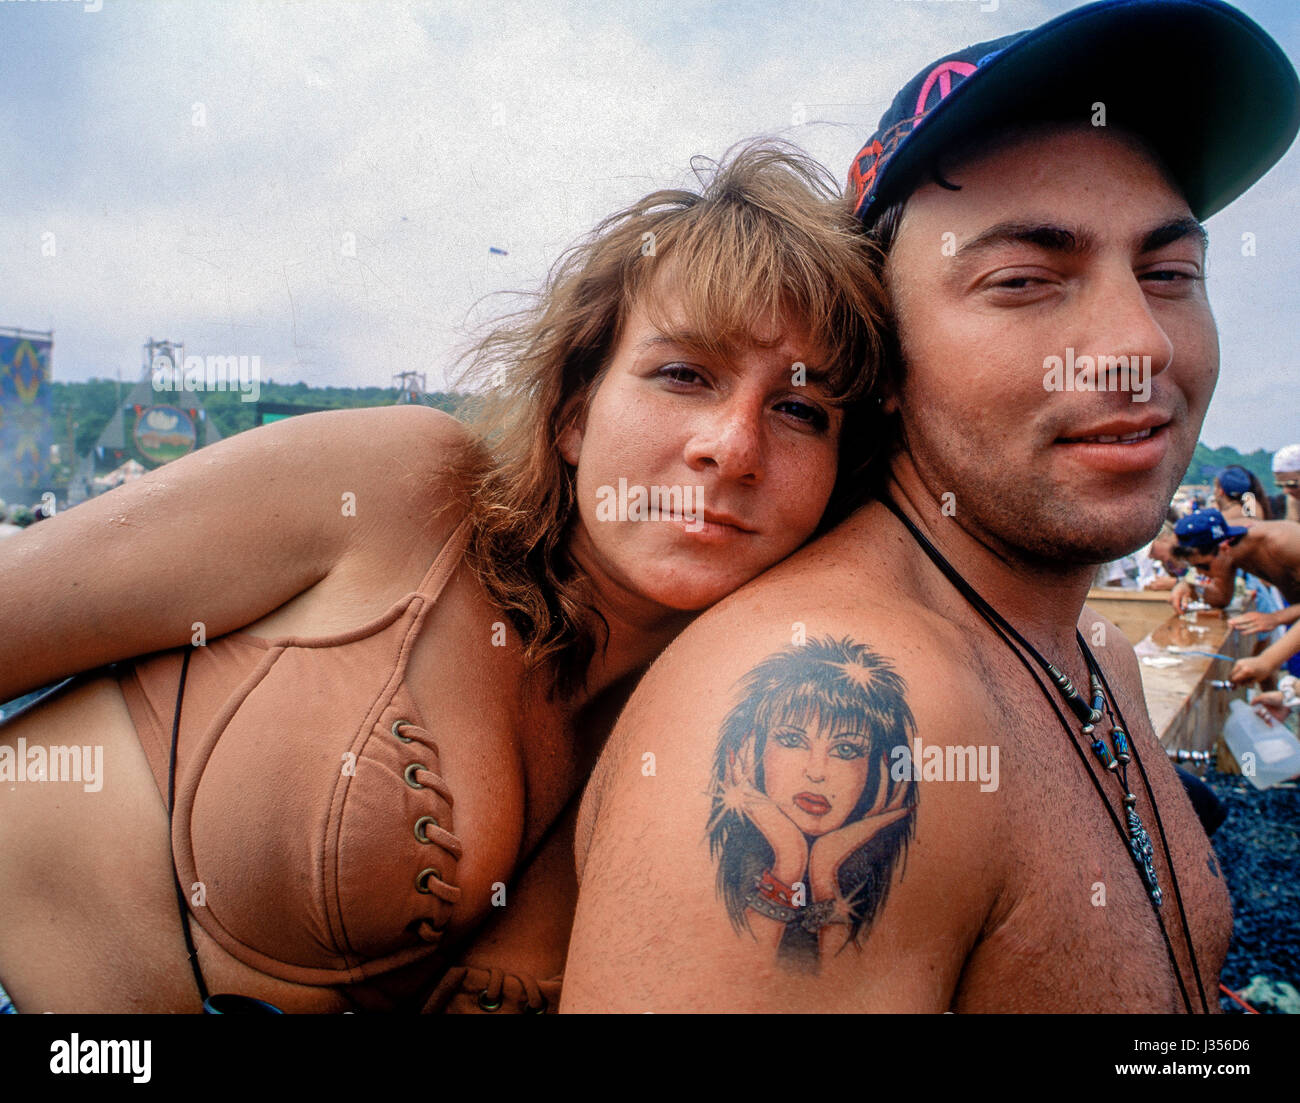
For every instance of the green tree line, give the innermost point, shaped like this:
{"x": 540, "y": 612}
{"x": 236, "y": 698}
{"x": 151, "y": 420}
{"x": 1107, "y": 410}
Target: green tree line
{"x": 82, "y": 410}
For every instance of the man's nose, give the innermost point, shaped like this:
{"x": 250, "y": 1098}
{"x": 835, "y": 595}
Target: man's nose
{"x": 729, "y": 438}
{"x": 1125, "y": 325}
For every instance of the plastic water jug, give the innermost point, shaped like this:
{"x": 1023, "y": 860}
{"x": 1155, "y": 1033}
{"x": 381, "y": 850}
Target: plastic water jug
{"x": 1274, "y": 752}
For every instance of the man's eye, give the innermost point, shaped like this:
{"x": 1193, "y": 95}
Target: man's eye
{"x": 1172, "y": 275}
{"x": 1017, "y": 283}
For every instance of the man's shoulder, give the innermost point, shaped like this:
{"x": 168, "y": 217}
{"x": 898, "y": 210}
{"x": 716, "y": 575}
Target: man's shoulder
{"x": 804, "y": 632}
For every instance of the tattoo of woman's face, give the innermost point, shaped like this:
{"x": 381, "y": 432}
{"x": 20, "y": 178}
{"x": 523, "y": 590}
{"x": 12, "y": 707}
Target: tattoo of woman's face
{"x": 807, "y": 823}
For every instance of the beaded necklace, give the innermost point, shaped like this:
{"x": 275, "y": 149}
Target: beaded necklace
{"x": 1135, "y": 838}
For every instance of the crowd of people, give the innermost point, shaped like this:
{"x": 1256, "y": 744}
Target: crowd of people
{"x": 1240, "y": 549}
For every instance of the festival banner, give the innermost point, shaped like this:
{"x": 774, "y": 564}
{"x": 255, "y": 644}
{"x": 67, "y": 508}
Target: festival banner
{"x": 26, "y": 430}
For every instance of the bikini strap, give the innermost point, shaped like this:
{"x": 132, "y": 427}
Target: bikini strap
{"x": 447, "y": 561}
{"x": 171, "y": 811}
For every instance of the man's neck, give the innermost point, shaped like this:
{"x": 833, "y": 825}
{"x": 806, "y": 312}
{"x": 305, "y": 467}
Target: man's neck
{"x": 1042, "y": 600}
{"x": 1245, "y": 553}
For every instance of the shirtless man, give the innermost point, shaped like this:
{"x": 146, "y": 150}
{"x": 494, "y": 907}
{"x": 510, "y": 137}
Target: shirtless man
{"x": 1269, "y": 549}
{"x": 841, "y": 790}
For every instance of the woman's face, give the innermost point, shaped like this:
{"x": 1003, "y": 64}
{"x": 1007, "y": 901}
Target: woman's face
{"x": 815, "y": 774}
{"x": 694, "y": 472}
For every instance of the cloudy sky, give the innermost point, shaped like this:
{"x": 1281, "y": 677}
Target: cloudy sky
{"x": 319, "y": 183}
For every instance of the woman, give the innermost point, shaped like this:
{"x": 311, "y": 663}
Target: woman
{"x": 330, "y": 757}
{"x": 813, "y": 798}
{"x": 1239, "y": 493}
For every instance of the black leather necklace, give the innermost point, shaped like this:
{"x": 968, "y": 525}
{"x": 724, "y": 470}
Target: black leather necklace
{"x": 1135, "y": 838}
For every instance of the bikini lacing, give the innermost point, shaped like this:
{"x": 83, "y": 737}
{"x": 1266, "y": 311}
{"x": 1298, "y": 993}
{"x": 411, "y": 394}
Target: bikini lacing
{"x": 489, "y": 985}
{"x": 427, "y": 829}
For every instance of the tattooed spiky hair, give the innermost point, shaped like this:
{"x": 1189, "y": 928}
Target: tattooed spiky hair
{"x": 829, "y": 683}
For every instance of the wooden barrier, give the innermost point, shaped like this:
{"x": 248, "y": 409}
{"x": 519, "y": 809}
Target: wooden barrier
{"x": 1187, "y": 713}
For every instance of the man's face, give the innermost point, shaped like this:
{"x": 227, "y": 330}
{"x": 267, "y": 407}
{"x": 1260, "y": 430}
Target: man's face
{"x": 1162, "y": 548}
{"x": 1063, "y": 245}
{"x": 1204, "y": 556}
{"x": 1289, "y": 481}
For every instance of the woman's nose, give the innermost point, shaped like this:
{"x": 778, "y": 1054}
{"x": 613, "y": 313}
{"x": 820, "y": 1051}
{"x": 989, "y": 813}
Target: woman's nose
{"x": 815, "y": 768}
{"x": 729, "y": 439}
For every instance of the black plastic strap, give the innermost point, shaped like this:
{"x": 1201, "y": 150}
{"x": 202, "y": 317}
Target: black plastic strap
{"x": 181, "y": 900}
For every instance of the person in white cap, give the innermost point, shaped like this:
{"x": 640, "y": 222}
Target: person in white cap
{"x": 1286, "y": 473}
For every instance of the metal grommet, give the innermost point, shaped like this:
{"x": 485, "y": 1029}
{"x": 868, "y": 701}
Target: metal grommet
{"x": 420, "y": 825}
{"x": 531, "y": 1010}
{"x": 422, "y": 880}
{"x": 486, "y": 1004}
{"x": 409, "y": 774}
{"x": 397, "y": 724}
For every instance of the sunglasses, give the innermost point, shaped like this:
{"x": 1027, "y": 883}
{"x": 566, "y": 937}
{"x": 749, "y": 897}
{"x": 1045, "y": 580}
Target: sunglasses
{"x": 1184, "y": 550}
{"x": 1290, "y": 484}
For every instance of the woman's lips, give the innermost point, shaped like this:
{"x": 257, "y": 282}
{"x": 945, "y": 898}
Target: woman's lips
{"x": 813, "y": 804}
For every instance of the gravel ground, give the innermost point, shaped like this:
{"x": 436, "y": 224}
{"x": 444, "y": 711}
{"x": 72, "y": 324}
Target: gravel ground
{"x": 1259, "y": 849}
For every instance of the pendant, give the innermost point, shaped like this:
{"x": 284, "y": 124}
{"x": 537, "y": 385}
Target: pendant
{"x": 1139, "y": 843}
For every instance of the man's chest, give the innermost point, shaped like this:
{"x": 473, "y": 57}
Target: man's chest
{"x": 1076, "y": 928}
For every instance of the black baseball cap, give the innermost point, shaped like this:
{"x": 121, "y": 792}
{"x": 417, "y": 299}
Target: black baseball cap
{"x": 1202, "y": 83}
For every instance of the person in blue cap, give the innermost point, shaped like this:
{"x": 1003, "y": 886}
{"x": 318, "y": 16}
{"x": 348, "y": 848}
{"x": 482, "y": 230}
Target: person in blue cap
{"x": 1038, "y": 202}
{"x": 1239, "y": 493}
{"x": 1267, "y": 549}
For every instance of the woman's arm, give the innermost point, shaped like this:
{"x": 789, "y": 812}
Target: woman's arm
{"x": 220, "y": 537}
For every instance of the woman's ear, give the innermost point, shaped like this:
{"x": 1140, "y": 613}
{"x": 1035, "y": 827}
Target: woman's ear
{"x": 571, "y": 444}
{"x": 573, "y": 416}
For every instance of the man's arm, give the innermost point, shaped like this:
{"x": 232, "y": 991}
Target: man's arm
{"x": 1258, "y": 667}
{"x": 1221, "y": 579}
{"x": 762, "y": 842}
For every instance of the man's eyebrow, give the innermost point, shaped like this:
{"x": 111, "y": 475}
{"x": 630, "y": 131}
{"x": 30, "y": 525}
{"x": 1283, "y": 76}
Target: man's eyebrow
{"x": 1173, "y": 231}
{"x": 1055, "y": 239}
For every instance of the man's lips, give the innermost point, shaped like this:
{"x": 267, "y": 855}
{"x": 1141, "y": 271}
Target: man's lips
{"x": 1119, "y": 448}
{"x": 813, "y": 804}
{"x": 1118, "y": 431}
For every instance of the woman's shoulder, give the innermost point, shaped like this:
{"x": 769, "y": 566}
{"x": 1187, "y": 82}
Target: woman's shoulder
{"x": 407, "y": 451}
{"x": 398, "y": 470}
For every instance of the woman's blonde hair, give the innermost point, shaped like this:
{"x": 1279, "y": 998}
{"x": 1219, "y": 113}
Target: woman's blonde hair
{"x": 765, "y": 241}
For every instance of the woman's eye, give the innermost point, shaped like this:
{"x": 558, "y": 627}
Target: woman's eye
{"x": 679, "y": 373}
{"x": 789, "y": 739}
{"x": 848, "y": 750}
{"x": 805, "y": 412}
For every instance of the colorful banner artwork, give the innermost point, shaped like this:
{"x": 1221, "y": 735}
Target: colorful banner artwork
{"x": 26, "y": 431}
